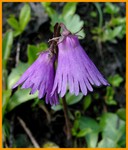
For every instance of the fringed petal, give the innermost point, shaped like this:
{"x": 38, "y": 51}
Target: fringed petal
{"x": 75, "y": 69}
{"x": 71, "y": 83}
{"x": 64, "y": 85}
{"x": 83, "y": 87}
{"x": 40, "y": 76}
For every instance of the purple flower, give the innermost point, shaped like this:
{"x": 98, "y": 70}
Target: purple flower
{"x": 40, "y": 76}
{"x": 75, "y": 69}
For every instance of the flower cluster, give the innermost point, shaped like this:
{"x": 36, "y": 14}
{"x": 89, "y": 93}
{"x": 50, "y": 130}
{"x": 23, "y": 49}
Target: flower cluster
{"x": 74, "y": 71}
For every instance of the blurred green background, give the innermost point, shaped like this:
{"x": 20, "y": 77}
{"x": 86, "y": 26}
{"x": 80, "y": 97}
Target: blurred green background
{"x": 99, "y": 119}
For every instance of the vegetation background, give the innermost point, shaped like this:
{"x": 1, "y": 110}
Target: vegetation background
{"x": 99, "y": 119}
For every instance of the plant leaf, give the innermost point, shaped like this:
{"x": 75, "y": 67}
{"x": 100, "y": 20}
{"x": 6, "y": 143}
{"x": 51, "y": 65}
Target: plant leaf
{"x": 91, "y": 139}
{"x": 122, "y": 113}
{"x": 5, "y": 99}
{"x": 109, "y": 99}
{"x": 32, "y": 51}
{"x": 107, "y": 143}
{"x": 24, "y": 17}
{"x": 115, "y": 80}
{"x": 16, "y": 74}
{"x": 50, "y": 11}
{"x": 111, "y": 8}
{"x": 19, "y": 97}
{"x": 112, "y": 127}
{"x": 57, "y": 107}
{"x": 68, "y": 17}
{"x": 72, "y": 99}
{"x": 87, "y": 122}
{"x": 74, "y": 24}
{"x": 69, "y": 9}
{"x": 87, "y": 101}
{"x": 83, "y": 132}
{"x": 13, "y": 23}
{"x": 6, "y": 46}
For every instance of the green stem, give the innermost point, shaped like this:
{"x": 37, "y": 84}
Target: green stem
{"x": 100, "y": 14}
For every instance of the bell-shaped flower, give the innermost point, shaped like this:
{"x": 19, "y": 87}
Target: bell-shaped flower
{"x": 40, "y": 76}
{"x": 75, "y": 69}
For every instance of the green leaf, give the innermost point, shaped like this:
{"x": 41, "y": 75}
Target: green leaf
{"x": 5, "y": 99}
{"x": 111, "y": 8}
{"x": 115, "y": 80}
{"x": 88, "y": 128}
{"x": 68, "y": 17}
{"x": 93, "y": 14}
{"x": 69, "y": 10}
{"x": 32, "y": 51}
{"x": 111, "y": 34}
{"x": 121, "y": 113}
{"x": 116, "y": 31}
{"x": 107, "y": 35}
{"x": 123, "y": 32}
{"x": 57, "y": 107}
{"x": 87, "y": 101}
{"x": 74, "y": 24}
{"x": 83, "y": 132}
{"x": 46, "y": 4}
{"x": 112, "y": 127}
{"x": 25, "y": 16}
{"x": 87, "y": 122}
{"x": 17, "y": 32}
{"x": 91, "y": 139}
{"x": 72, "y": 99}
{"x": 19, "y": 97}
{"x": 109, "y": 99}
{"x": 13, "y": 23}
{"x": 5, "y": 129}
{"x": 77, "y": 114}
{"x": 107, "y": 143}
{"x": 96, "y": 30}
{"x": 6, "y": 46}
{"x": 75, "y": 127}
{"x": 16, "y": 74}
{"x": 42, "y": 46}
{"x": 50, "y": 11}
{"x": 122, "y": 142}
{"x": 118, "y": 21}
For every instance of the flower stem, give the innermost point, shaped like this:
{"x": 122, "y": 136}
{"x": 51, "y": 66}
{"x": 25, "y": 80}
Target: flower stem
{"x": 53, "y": 42}
{"x": 67, "y": 121}
{"x": 53, "y": 46}
{"x": 100, "y": 14}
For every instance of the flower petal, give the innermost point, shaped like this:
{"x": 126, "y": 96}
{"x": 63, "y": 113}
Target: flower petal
{"x": 75, "y": 69}
{"x": 40, "y": 76}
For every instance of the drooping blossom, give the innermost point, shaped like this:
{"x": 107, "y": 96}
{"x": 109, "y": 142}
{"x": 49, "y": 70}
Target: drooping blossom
{"x": 40, "y": 76}
{"x": 75, "y": 69}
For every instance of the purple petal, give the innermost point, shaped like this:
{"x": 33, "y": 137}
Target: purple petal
{"x": 75, "y": 69}
{"x": 40, "y": 76}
